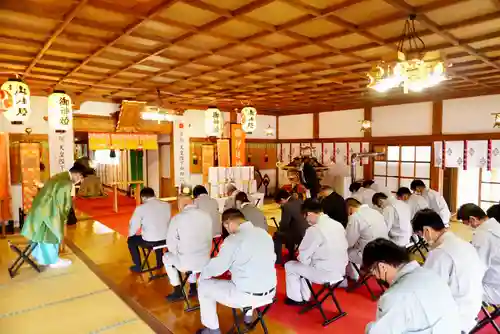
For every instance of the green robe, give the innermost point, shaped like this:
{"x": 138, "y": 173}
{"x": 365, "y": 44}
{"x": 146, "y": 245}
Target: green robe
{"x": 49, "y": 211}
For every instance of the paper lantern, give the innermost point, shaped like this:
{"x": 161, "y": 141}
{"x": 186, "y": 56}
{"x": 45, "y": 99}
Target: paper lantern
{"x": 20, "y": 109}
{"x": 60, "y": 111}
{"x": 6, "y": 101}
{"x": 213, "y": 122}
{"x": 248, "y": 119}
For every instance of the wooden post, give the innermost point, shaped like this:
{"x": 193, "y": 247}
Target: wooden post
{"x": 368, "y": 168}
{"x": 115, "y": 197}
{"x": 437, "y": 130}
{"x": 137, "y": 194}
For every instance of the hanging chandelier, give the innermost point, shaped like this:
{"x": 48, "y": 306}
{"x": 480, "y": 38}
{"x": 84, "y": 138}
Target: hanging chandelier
{"x": 415, "y": 69}
{"x": 159, "y": 113}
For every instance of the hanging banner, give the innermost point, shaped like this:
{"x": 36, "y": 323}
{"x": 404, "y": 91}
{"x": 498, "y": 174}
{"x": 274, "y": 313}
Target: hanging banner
{"x": 237, "y": 146}
{"x": 99, "y": 141}
{"x": 223, "y": 153}
{"x": 30, "y": 172}
{"x": 207, "y": 160}
{"x": 454, "y": 154}
{"x": 148, "y": 142}
{"x": 181, "y": 154}
{"x": 5, "y": 196}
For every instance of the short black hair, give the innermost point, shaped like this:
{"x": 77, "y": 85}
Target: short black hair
{"x": 281, "y": 194}
{"x": 403, "y": 191}
{"x": 378, "y": 196}
{"x": 494, "y": 212}
{"x": 352, "y": 202}
{"x": 231, "y": 214}
{"x": 147, "y": 192}
{"x": 385, "y": 251}
{"x": 199, "y": 190}
{"x": 416, "y": 183}
{"x": 367, "y": 183}
{"x": 242, "y": 197}
{"x": 78, "y": 168}
{"x": 427, "y": 218}
{"x": 355, "y": 186}
{"x": 312, "y": 205}
{"x": 470, "y": 210}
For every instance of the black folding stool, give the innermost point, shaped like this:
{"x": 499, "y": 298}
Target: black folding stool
{"x": 216, "y": 243}
{"x": 327, "y": 290}
{"x": 489, "y": 318}
{"x": 239, "y": 319}
{"x": 184, "y": 281}
{"x": 417, "y": 244}
{"x": 363, "y": 280}
{"x": 145, "y": 266}
{"x": 24, "y": 256}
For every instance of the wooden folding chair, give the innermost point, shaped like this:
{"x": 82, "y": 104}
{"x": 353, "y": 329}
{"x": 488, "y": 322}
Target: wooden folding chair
{"x": 327, "y": 290}
{"x": 363, "y": 280}
{"x": 24, "y": 256}
{"x": 239, "y": 319}
{"x": 489, "y": 319}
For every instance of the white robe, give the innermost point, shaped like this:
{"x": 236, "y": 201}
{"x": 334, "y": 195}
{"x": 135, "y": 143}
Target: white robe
{"x": 458, "y": 263}
{"x": 418, "y": 301}
{"x": 437, "y": 203}
{"x": 486, "y": 240}
{"x": 417, "y": 203}
{"x": 367, "y": 195}
{"x": 397, "y": 215}
{"x": 365, "y": 225}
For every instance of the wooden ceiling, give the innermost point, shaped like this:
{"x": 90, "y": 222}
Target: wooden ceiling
{"x": 282, "y": 56}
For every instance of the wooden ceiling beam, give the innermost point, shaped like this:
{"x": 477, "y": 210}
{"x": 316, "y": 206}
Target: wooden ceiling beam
{"x": 70, "y": 16}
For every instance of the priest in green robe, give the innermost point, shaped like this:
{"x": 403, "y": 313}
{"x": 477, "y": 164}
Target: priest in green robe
{"x": 45, "y": 222}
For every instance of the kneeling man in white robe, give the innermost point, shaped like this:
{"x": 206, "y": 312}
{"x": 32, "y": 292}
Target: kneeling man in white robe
{"x": 322, "y": 255}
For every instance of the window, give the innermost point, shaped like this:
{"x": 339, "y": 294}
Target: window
{"x": 489, "y": 188}
{"x": 401, "y": 165}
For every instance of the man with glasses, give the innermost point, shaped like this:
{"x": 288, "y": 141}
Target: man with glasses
{"x": 248, "y": 254}
{"x": 417, "y": 301}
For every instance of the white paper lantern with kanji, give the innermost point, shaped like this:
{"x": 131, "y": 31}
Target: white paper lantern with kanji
{"x": 60, "y": 111}
{"x": 20, "y": 92}
{"x": 248, "y": 119}
{"x": 213, "y": 122}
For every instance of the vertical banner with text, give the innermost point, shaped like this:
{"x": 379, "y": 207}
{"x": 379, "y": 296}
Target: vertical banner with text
{"x": 207, "y": 160}
{"x": 30, "y": 172}
{"x": 237, "y": 146}
{"x": 223, "y": 154}
{"x": 182, "y": 155}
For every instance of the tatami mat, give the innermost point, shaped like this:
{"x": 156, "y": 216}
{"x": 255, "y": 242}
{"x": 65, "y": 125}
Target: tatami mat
{"x": 71, "y": 300}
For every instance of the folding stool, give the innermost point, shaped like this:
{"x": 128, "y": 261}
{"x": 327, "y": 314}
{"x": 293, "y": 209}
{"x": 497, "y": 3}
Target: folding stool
{"x": 363, "y": 280}
{"x": 239, "y": 319}
{"x": 184, "y": 281}
{"x": 24, "y": 256}
{"x": 216, "y": 242}
{"x": 327, "y": 290}
{"x": 145, "y": 266}
{"x": 417, "y": 244}
{"x": 489, "y": 318}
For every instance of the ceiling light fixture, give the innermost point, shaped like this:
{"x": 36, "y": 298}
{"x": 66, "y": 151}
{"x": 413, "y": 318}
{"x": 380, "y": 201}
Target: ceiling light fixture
{"x": 415, "y": 69}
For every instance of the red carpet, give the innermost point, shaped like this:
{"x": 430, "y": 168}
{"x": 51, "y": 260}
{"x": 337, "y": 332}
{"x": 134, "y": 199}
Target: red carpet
{"x": 358, "y": 304}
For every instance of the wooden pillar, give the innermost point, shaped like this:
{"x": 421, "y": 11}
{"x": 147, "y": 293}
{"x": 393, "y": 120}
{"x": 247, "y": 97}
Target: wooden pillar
{"x": 278, "y": 153}
{"x": 368, "y": 168}
{"x": 316, "y": 125}
{"x": 437, "y": 130}
{"x": 233, "y": 116}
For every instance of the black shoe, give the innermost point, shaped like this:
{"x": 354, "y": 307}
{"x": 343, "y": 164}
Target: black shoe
{"x": 135, "y": 269}
{"x": 176, "y": 295}
{"x": 193, "y": 290}
{"x": 292, "y": 302}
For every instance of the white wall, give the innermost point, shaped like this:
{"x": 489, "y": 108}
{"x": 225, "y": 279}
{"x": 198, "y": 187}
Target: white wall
{"x": 296, "y": 126}
{"x": 98, "y": 108}
{"x": 152, "y": 166}
{"x": 402, "y": 120}
{"x": 470, "y": 115}
{"x": 340, "y": 124}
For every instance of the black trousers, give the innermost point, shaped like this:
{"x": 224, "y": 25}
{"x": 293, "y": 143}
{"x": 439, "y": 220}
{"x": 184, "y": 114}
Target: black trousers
{"x": 136, "y": 241}
{"x": 71, "y": 217}
{"x": 281, "y": 239}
